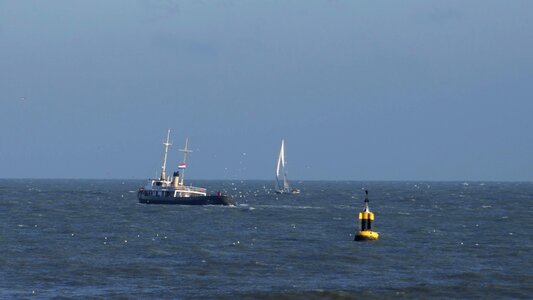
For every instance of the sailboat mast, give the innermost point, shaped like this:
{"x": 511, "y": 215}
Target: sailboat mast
{"x": 185, "y": 151}
{"x": 164, "y": 167}
{"x": 285, "y": 180}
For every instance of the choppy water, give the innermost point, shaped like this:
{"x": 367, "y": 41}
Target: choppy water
{"x": 89, "y": 238}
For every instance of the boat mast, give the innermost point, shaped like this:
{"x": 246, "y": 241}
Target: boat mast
{"x": 282, "y": 155}
{"x": 164, "y": 167}
{"x": 185, "y": 151}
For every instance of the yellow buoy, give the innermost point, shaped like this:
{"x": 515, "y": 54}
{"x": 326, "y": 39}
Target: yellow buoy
{"x": 366, "y": 217}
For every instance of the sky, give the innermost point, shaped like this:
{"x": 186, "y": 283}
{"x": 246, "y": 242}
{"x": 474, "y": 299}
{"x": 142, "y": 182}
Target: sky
{"x": 359, "y": 90}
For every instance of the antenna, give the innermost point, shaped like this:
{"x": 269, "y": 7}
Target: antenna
{"x": 164, "y": 167}
{"x": 366, "y": 201}
{"x": 185, "y": 151}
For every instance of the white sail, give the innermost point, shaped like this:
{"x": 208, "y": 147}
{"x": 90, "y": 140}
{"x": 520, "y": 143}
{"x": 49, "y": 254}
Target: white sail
{"x": 286, "y": 186}
{"x": 280, "y": 164}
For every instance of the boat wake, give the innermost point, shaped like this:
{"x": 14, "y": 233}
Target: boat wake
{"x": 290, "y": 206}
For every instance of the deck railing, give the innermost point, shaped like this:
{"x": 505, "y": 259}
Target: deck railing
{"x": 190, "y": 189}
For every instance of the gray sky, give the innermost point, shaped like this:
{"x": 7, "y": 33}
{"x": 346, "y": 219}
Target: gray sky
{"x": 360, "y": 90}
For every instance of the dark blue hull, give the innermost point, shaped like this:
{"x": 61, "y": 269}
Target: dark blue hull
{"x": 196, "y": 200}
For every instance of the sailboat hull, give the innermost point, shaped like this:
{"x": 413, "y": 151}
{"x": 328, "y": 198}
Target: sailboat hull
{"x": 290, "y": 192}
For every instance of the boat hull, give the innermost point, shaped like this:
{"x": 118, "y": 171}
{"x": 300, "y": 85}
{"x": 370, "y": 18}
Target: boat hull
{"x": 291, "y": 192}
{"x": 197, "y": 200}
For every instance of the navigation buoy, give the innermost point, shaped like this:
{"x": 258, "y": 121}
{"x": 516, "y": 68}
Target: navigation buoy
{"x": 366, "y": 217}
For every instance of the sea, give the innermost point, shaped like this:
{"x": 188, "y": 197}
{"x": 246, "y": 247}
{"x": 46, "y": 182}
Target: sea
{"x": 438, "y": 240}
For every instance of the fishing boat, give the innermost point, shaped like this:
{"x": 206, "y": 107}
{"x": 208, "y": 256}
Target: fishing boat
{"x": 282, "y": 183}
{"x": 172, "y": 189}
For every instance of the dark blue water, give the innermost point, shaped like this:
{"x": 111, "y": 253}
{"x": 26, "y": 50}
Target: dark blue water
{"x": 89, "y": 238}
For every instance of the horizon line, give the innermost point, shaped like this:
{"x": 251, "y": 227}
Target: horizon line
{"x": 294, "y": 180}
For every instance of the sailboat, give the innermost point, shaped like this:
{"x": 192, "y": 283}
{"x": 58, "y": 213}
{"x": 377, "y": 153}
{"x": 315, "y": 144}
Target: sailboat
{"x": 282, "y": 183}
